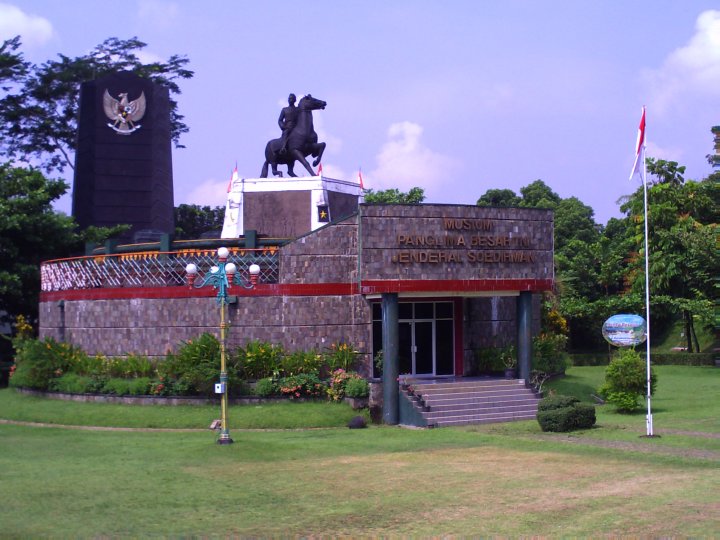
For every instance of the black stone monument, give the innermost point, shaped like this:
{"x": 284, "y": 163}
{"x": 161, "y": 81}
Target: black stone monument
{"x": 123, "y": 164}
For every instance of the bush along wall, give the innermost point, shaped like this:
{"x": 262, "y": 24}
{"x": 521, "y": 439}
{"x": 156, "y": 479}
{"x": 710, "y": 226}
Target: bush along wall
{"x": 192, "y": 370}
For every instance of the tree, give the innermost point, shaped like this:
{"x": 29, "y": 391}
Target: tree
{"x": 500, "y": 198}
{"x": 31, "y": 232}
{"x": 12, "y": 66}
{"x": 538, "y": 195}
{"x": 416, "y": 195}
{"x": 682, "y": 235}
{"x": 666, "y": 172}
{"x": 192, "y": 220}
{"x": 39, "y": 120}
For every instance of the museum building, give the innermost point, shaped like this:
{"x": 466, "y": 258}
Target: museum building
{"x": 427, "y": 284}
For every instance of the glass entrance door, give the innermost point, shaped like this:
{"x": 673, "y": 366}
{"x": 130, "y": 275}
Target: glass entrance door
{"x": 426, "y": 337}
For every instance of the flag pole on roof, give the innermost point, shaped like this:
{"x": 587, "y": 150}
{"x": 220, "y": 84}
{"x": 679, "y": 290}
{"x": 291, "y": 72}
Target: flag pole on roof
{"x": 640, "y": 161}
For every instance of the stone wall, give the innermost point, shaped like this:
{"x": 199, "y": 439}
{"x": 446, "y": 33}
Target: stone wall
{"x": 156, "y": 326}
{"x": 492, "y": 323}
{"x": 327, "y": 255}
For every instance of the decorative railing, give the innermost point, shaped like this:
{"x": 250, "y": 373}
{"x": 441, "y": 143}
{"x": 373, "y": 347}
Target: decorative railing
{"x": 150, "y": 268}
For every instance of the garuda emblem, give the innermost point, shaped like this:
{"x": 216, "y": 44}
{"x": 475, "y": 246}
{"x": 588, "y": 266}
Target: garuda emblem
{"x": 124, "y": 114}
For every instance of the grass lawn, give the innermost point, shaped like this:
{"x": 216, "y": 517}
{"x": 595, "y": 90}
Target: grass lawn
{"x": 502, "y": 479}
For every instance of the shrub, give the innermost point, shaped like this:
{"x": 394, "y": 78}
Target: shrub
{"x": 265, "y": 387}
{"x": 91, "y": 366}
{"x": 300, "y": 362}
{"x": 549, "y": 354}
{"x": 357, "y": 387}
{"x": 300, "y": 386}
{"x": 564, "y": 413}
{"x": 259, "y": 359}
{"x": 489, "y": 360}
{"x": 626, "y": 380}
{"x": 117, "y": 386}
{"x": 557, "y": 401}
{"x": 195, "y": 368}
{"x": 71, "y": 383}
{"x": 133, "y": 365}
{"x": 140, "y": 386}
{"x": 40, "y": 361}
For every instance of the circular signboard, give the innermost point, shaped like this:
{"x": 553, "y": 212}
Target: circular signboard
{"x": 625, "y": 330}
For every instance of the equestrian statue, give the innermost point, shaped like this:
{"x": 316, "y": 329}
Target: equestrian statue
{"x": 298, "y": 138}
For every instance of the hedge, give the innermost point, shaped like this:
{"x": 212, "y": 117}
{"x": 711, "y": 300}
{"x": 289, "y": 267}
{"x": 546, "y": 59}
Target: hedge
{"x": 659, "y": 359}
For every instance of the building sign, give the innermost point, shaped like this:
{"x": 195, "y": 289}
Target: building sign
{"x": 442, "y": 242}
{"x": 464, "y": 240}
{"x": 625, "y": 330}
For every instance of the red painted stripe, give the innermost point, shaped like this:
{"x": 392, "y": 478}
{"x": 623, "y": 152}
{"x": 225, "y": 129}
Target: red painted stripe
{"x": 306, "y": 289}
{"x": 460, "y": 285}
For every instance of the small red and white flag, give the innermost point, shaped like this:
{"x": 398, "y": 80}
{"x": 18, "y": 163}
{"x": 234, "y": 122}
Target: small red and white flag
{"x": 233, "y": 177}
{"x": 639, "y": 147}
{"x": 360, "y": 179}
{"x": 320, "y": 170}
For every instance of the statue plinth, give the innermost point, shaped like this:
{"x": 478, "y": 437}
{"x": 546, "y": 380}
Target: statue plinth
{"x": 287, "y": 207}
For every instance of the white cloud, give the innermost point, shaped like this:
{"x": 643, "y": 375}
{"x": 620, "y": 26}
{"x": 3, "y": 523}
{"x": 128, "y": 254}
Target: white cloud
{"x": 405, "y": 162}
{"x": 33, "y": 29}
{"x": 667, "y": 153}
{"x": 211, "y": 192}
{"x": 691, "y": 70}
{"x": 158, "y": 13}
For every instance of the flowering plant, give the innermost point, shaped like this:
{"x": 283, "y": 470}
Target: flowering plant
{"x": 341, "y": 356}
{"x": 301, "y": 385}
{"x": 339, "y": 380}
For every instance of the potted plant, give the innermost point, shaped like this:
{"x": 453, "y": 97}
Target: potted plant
{"x": 510, "y": 362}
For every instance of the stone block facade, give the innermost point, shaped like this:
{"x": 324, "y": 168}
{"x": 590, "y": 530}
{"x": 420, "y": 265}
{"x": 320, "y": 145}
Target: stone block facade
{"x": 328, "y": 281}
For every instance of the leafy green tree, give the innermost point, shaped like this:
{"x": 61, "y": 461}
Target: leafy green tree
{"x": 416, "y": 195}
{"x": 12, "y": 66}
{"x": 192, "y": 220}
{"x": 499, "y": 198}
{"x": 31, "y": 232}
{"x": 665, "y": 172}
{"x": 38, "y": 119}
{"x": 538, "y": 195}
{"x": 684, "y": 259}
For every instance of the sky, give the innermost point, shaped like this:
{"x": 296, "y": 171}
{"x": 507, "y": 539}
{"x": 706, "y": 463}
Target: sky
{"x": 456, "y": 97}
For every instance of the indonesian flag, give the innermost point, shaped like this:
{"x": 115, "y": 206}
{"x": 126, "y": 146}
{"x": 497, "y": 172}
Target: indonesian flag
{"x": 362, "y": 186}
{"x": 233, "y": 177}
{"x": 320, "y": 170}
{"x": 639, "y": 147}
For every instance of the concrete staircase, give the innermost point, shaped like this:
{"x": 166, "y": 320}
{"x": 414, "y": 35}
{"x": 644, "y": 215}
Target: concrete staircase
{"x": 478, "y": 401}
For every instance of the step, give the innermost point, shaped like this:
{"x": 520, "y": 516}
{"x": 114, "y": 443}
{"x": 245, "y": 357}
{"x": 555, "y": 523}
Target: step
{"x": 474, "y": 402}
{"x": 466, "y": 421}
{"x": 489, "y": 406}
{"x": 480, "y": 396}
{"x": 465, "y": 386}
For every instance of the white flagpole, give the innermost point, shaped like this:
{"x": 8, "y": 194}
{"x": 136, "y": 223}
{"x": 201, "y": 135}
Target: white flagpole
{"x": 649, "y": 419}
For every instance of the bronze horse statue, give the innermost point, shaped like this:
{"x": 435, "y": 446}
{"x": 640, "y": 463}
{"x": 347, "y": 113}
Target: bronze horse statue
{"x": 302, "y": 142}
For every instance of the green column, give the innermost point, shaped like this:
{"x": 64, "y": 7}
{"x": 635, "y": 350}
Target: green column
{"x": 391, "y": 363}
{"x": 524, "y": 335}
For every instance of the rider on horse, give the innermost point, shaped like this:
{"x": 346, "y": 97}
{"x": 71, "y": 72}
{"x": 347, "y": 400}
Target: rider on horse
{"x": 287, "y": 121}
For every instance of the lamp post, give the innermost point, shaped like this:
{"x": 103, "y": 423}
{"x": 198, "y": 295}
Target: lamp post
{"x": 222, "y": 277}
